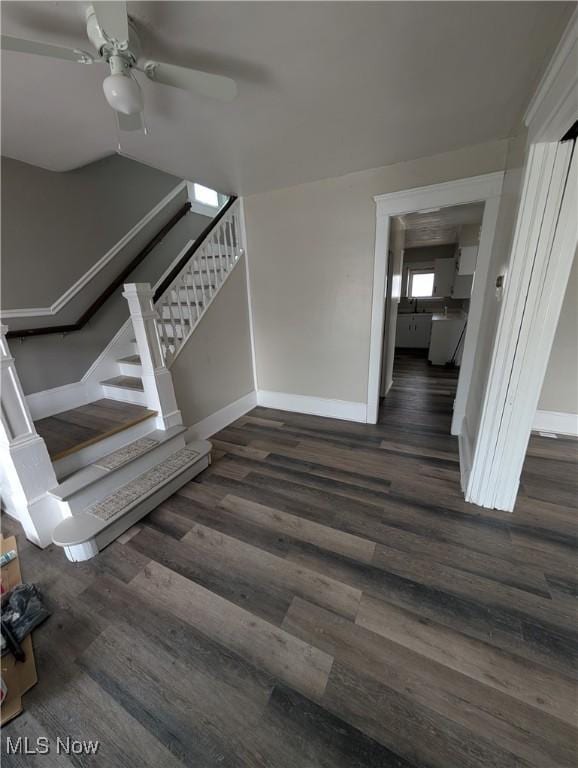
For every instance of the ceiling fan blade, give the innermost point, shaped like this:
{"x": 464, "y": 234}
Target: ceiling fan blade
{"x": 131, "y": 122}
{"x": 112, "y": 19}
{"x": 214, "y": 86}
{"x": 9, "y": 43}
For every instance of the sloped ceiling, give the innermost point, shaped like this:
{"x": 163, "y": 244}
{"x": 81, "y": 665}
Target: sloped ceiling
{"x": 324, "y": 88}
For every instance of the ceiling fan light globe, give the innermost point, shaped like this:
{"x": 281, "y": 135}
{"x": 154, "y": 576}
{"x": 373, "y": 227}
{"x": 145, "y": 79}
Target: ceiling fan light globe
{"x": 123, "y": 94}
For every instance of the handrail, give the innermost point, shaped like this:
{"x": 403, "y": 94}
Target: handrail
{"x": 110, "y": 289}
{"x": 192, "y": 250}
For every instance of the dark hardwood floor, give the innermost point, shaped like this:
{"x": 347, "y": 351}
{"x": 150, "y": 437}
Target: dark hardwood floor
{"x": 322, "y": 596}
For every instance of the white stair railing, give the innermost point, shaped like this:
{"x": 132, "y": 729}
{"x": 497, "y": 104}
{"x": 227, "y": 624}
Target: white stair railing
{"x": 189, "y": 295}
{"x": 26, "y": 471}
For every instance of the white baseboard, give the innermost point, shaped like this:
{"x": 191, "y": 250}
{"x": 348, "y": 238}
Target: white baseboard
{"x": 316, "y": 406}
{"x": 202, "y": 430}
{"x": 557, "y": 422}
{"x": 58, "y": 399}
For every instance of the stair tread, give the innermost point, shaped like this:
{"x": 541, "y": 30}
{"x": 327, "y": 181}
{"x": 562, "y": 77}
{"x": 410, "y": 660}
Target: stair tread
{"x": 86, "y": 476}
{"x": 72, "y": 430}
{"x": 125, "y": 382}
{"x": 132, "y": 359}
{"x": 86, "y": 525}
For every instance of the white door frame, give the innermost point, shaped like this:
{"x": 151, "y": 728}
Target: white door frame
{"x": 543, "y": 249}
{"x": 485, "y": 189}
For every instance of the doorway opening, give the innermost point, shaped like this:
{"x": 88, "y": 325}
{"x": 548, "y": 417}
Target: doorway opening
{"x": 397, "y": 213}
{"x": 430, "y": 273}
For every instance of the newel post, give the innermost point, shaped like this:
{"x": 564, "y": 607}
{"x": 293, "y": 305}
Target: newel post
{"x": 26, "y": 471}
{"x": 156, "y": 377}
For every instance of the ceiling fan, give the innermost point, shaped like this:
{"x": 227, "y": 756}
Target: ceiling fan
{"x": 113, "y": 35}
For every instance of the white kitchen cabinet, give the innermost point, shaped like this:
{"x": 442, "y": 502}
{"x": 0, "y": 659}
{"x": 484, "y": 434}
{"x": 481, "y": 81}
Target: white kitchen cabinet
{"x": 413, "y": 330}
{"x": 445, "y": 335}
{"x": 462, "y": 287}
{"x": 466, "y": 259}
{"x": 444, "y": 272}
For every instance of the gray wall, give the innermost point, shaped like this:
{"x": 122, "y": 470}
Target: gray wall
{"x": 311, "y": 253}
{"x": 560, "y": 387}
{"x": 50, "y": 361}
{"x": 57, "y": 225}
{"x": 215, "y": 366}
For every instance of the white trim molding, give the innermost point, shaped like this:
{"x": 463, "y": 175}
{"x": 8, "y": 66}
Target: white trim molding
{"x": 554, "y": 106}
{"x": 316, "y": 406}
{"x": 486, "y": 188}
{"x": 465, "y": 453}
{"x": 556, "y": 422}
{"x": 543, "y": 250}
{"x": 97, "y": 267}
{"x": 249, "y": 299}
{"x": 217, "y": 421}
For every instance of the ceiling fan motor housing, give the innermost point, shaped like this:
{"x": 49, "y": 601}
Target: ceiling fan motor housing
{"x": 129, "y": 50}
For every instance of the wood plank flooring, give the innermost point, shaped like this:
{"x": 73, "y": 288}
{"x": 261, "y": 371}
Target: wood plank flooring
{"x": 77, "y": 428}
{"x": 323, "y": 596}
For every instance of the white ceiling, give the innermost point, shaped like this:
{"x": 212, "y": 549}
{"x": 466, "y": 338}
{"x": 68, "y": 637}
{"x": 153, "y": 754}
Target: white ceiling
{"x": 440, "y": 227}
{"x": 325, "y": 88}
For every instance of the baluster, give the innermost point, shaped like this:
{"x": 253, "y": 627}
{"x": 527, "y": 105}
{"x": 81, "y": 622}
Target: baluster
{"x": 236, "y": 249}
{"x": 183, "y": 279}
{"x": 168, "y": 321}
{"x": 203, "y": 290}
{"x": 187, "y": 295}
{"x": 175, "y": 326}
{"x": 164, "y": 322}
{"x": 195, "y": 293}
{"x": 212, "y": 281}
{"x": 212, "y": 252}
{"x": 220, "y": 236}
{"x": 219, "y": 270}
{"x": 162, "y": 334}
{"x": 229, "y": 243}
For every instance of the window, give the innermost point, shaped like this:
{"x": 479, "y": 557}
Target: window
{"x": 206, "y": 196}
{"x": 421, "y": 283}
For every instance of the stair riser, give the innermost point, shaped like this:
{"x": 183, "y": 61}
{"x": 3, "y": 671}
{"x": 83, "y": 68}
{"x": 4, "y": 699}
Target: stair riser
{"x": 119, "y": 477}
{"x": 124, "y": 395}
{"x": 130, "y": 369}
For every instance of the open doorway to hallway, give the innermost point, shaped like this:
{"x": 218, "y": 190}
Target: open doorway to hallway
{"x": 431, "y": 267}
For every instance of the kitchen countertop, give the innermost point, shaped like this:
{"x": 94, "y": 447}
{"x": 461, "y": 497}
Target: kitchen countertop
{"x": 450, "y": 316}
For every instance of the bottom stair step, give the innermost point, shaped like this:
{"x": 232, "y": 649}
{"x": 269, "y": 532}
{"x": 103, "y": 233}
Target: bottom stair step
{"x": 122, "y": 500}
{"x": 84, "y": 534}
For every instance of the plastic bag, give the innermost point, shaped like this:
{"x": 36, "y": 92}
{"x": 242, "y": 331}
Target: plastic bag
{"x": 24, "y": 610}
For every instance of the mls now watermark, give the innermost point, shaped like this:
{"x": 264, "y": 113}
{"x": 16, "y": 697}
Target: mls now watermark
{"x": 45, "y": 746}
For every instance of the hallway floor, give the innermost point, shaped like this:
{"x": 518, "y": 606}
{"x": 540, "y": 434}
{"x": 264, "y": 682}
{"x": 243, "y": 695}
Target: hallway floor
{"x": 322, "y": 596}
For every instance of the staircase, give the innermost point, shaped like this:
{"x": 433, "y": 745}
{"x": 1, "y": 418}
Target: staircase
{"x": 82, "y": 477}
